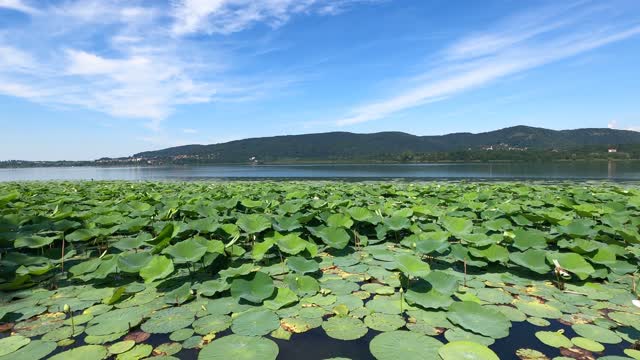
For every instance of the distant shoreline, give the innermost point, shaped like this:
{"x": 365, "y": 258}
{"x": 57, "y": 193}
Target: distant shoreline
{"x": 82, "y": 164}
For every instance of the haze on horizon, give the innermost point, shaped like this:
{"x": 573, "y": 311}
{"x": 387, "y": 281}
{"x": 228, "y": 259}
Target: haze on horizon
{"x": 83, "y": 79}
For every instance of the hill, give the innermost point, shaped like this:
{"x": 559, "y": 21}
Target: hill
{"x": 395, "y": 146}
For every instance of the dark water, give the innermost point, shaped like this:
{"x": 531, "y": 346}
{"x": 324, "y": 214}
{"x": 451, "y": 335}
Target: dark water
{"x": 601, "y": 170}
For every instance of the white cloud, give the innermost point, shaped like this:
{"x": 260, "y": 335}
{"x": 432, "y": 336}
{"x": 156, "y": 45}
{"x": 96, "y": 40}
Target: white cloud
{"x": 18, "y": 5}
{"x": 480, "y": 59}
{"x": 613, "y": 124}
{"x": 190, "y": 131}
{"x": 230, "y": 16}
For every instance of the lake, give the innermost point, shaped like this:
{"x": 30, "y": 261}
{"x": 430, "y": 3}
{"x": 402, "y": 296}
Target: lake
{"x": 619, "y": 171}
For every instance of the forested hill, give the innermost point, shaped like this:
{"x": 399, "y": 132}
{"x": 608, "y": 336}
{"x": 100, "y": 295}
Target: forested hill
{"x": 337, "y": 146}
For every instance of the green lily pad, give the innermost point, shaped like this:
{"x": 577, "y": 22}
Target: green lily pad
{"x": 253, "y": 287}
{"x": 596, "y": 333}
{"x": 139, "y": 351}
{"x": 255, "y": 322}
{"x": 587, "y": 344}
{"x": 239, "y": 347}
{"x": 168, "y": 320}
{"x": 531, "y": 259}
{"x": 335, "y": 237}
{"x": 35, "y": 350}
{"x": 344, "y": 328}
{"x": 291, "y": 244}
{"x": 122, "y": 346}
{"x": 538, "y": 310}
{"x": 168, "y": 349}
{"x": 411, "y": 265}
{"x": 554, "y": 339}
{"x": 253, "y": 223}
{"x": 134, "y": 261}
{"x": 573, "y": 263}
{"x": 158, "y": 268}
{"x": 481, "y": 320}
{"x": 212, "y": 324}
{"x": 12, "y": 343}
{"x": 302, "y": 265}
{"x": 404, "y": 345}
{"x": 83, "y": 353}
{"x": 530, "y": 354}
{"x": 466, "y": 350}
{"x": 181, "y": 334}
{"x": 384, "y": 322}
{"x": 186, "y": 251}
{"x": 457, "y": 334}
{"x": 283, "y": 297}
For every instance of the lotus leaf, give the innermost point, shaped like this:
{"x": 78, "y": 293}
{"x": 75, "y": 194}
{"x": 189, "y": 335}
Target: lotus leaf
{"x": 255, "y": 322}
{"x": 132, "y": 262}
{"x": 411, "y": 266}
{"x": 587, "y": 344}
{"x": 186, "y": 251}
{"x": 344, "y": 328}
{"x": 239, "y": 347}
{"x": 479, "y": 319}
{"x": 254, "y": 288}
{"x": 85, "y": 352}
{"x": 211, "y": 324}
{"x": 554, "y": 339}
{"x": 283, "y": 297}
{"x": 139, "y": 351}
{"x": 34, "y": 350}
{"x": 596, "y": 333}
{"x": 253, "y": 223}
{"x": 466, "y": 350}
{"x": 158, "y": 268}
{"x": 384, "y": 322}
{"x": 12, "y": 343}
{"x": 404, "y": 345}
{"x": 168, "y": 320}
{"x": 302, "y": 265}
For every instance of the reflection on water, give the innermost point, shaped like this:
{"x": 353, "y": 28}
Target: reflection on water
{"x": 624, "y": 170}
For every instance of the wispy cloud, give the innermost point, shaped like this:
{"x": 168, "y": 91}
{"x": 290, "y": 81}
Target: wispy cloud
{"x": 127, "y": 58}
{"x": 520, "y": 43}
{"x": 230, "y": 16}
{"x": 18, "y": 5}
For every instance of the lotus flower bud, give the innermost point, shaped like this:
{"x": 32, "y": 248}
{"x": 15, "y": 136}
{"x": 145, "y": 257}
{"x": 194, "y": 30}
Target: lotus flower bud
{"x": 66, "y": 308}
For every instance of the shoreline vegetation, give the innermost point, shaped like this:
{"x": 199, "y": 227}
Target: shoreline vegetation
{"x": 18, "y": 164}
{"x": 514, "y": 144}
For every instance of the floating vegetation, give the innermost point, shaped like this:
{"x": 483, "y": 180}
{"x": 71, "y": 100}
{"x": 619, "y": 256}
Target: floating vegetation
{"x": 96, "y": 270}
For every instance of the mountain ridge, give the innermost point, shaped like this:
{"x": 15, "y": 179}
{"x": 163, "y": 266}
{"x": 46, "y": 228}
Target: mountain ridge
{"x": 341, "y": 145}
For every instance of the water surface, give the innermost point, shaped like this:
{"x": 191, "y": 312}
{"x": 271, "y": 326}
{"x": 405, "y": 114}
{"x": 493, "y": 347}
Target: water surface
{"x": 579, "y": 170}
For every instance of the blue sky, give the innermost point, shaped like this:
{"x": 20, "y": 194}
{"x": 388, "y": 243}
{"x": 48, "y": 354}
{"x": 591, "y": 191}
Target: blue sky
{"x": 82, "y": 79}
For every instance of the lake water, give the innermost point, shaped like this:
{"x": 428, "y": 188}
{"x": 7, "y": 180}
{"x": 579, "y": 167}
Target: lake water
{"x": 619, "y": 171}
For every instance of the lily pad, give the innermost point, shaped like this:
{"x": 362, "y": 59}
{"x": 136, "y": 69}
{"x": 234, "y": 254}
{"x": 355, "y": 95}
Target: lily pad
{"x": 85, "y": 352}
{"x": 12, "y": 343}
{"x": 253, "y": 287}
{"x": 239, "y": 347}
{"x": 466, "y": 350}
{"x": 554, "y": 339}
{"x": 405, "y": 345}
{"x": 596, "y": 333}
{"x": 255, "y": 322}
{"x": 479, "y": 319}
{"x": 212, "y": 324}
{"x": 384, "y": 322}
{"x": 35, "y": 350}
{"x": 168, "y": 320}
{"x": 344, "y": 328}
{"x": 302, "y": 265}
{"x": 587, "y": 344}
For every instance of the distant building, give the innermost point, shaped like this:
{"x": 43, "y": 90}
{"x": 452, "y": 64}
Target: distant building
{"x": 613, "y": 150}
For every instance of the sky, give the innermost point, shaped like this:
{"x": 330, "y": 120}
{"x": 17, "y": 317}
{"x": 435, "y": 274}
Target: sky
{"x": 84, "y": 79}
